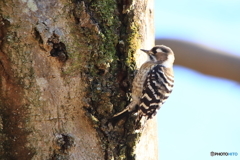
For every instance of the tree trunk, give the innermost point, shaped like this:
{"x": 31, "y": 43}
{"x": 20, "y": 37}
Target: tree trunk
{"x": 204, "y": 59}
{"x": 66, "y": 68}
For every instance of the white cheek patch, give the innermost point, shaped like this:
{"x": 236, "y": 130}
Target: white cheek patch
{"x": 159, "y": 50}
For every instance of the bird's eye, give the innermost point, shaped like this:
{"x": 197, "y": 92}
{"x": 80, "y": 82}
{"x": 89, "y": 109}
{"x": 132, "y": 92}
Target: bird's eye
{"x": 154, "y": 50}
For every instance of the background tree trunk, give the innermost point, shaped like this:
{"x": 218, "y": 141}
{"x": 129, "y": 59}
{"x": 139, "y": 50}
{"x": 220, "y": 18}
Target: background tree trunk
{"x": 66, "y": 67}
{"x": 204, "y": 59}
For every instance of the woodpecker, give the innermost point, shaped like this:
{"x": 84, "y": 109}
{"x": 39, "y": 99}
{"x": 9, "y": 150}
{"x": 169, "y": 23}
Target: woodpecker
{"x": 152, "y": 84}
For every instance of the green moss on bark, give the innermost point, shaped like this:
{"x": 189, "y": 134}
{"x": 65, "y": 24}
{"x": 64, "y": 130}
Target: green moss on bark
{"x": 100, "y": 41}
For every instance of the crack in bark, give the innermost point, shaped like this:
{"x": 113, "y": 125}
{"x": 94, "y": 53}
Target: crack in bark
{"x": 58, "y": 48}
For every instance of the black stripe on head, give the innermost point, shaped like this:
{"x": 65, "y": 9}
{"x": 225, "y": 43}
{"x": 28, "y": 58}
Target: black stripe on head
{"x": 163, "y": 49}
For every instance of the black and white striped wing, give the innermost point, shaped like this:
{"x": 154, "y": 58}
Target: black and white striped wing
{"x": 157, "y": 88}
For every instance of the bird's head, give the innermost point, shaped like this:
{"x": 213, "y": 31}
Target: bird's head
{"x": 161, "y": 54}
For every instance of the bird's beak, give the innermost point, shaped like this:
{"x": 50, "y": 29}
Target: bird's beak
{"x": 144, "y": 50}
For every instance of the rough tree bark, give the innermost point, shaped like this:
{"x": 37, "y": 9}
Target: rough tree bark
{"x": 66, "y": 67}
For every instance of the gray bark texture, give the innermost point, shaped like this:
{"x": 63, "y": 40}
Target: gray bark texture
{"x": 66, "y": 68}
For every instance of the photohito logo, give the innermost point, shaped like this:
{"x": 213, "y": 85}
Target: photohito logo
{"x": 223, "y": 153}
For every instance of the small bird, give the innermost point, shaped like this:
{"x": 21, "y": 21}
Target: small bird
{"x": 152, "y": 84}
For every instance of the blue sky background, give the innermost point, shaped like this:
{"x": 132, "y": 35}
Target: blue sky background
{"x": 203, "y": 112}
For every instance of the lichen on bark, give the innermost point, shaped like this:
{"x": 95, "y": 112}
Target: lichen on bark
{"x": 109, "y": 71}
